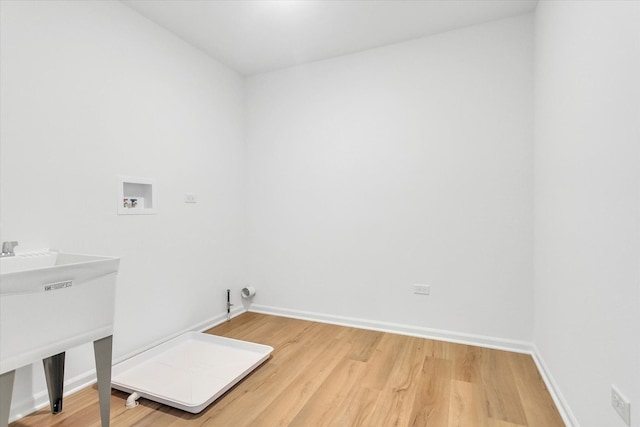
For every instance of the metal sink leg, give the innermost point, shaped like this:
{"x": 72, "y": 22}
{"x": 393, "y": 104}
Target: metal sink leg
{"x": 54, "y": 373}
{"x": 6, "y": 390}
{"x": 102, "y": 351}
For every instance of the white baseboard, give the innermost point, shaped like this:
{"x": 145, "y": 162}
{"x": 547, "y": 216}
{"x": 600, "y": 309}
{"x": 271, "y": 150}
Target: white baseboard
{"x": 40, "y": 399}
{"x": 398, "y": 328}
{"x": 200, "y": 327}
{"x": 449, "y": 336}
{"x": 561, "y": 403}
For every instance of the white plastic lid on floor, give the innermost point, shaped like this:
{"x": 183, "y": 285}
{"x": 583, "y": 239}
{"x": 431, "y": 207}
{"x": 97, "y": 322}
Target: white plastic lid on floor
{"x": 190, "y": 371}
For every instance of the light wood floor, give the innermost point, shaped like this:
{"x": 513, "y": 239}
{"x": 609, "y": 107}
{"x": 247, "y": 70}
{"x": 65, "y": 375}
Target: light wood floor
{"x": 326, "y": 375}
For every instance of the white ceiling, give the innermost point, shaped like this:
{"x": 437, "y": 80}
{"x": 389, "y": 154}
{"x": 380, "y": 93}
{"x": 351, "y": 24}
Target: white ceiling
{"x": 254, "y": 36}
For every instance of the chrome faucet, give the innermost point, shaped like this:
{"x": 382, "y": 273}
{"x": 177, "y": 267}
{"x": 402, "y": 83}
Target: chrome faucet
{"x": 7, "y": 249}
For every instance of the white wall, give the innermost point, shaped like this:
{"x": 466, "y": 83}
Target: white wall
{"x": 587, "y": 209}
{"x": 405, "y": 164}
{"x": 91, "y": 90}
{"x": 366, "y": 173}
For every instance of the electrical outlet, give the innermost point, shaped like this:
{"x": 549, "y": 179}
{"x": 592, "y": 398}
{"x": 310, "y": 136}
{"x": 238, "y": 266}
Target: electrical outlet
{"x": 422, "y": 289}
{"x": 621, "y": 404}
{"x": 190, "y": 198}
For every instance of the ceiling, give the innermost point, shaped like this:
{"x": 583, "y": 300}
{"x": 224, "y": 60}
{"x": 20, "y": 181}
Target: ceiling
{"x": 256, "y": 36}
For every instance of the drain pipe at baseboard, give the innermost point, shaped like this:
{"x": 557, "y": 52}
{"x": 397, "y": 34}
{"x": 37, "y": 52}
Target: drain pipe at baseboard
{"x": 132, "y": 400}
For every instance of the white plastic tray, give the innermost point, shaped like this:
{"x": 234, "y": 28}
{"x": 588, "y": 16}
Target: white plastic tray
{"x": 189, "y": 372}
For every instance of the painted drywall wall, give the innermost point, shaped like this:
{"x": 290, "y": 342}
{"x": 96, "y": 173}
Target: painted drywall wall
{"x": 92, "y": 90}
{"x": 407, "y": 164}
{"x": 587, "y": 211}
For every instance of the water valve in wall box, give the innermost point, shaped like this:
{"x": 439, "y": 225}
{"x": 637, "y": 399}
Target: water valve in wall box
{"x": 135, "y": 196}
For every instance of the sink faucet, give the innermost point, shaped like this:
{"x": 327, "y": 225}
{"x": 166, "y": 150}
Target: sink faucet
{"x": 7, "y": 249}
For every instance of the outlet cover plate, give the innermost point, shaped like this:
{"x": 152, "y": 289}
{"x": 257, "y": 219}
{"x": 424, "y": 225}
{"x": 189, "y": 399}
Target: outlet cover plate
{"x": 621, "y": 404}
{"x": 421, "y": 289}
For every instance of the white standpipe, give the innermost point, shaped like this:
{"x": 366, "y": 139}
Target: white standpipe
{"x": 248, "y": 292}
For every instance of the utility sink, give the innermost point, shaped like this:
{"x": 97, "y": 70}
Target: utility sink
{"x": 51, "y": 302}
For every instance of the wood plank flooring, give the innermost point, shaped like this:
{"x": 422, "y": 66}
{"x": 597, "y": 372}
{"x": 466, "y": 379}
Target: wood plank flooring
{"x": 327, "y": 375}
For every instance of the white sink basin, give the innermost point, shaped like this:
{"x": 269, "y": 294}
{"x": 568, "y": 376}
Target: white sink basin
{"x": 51, "y": 302}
